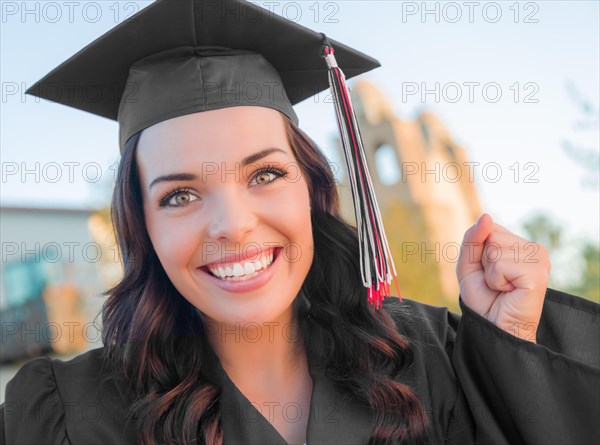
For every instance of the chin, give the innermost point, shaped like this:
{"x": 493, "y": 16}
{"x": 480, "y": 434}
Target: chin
{"x": 253, "y": 314}
{"x": 240, "y": 309}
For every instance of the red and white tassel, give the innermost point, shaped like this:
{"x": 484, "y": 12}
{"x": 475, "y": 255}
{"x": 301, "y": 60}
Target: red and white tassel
{"x": 376, "y": 262}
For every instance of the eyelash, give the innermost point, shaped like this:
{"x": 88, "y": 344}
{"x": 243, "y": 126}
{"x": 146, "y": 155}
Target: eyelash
{"x": 164, "y": 201}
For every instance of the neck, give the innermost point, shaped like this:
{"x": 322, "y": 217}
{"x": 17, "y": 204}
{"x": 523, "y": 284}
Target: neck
{"x": 260, "y": 355}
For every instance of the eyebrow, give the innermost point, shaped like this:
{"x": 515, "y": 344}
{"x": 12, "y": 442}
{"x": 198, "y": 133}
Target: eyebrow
{"x": 191, "y": 176}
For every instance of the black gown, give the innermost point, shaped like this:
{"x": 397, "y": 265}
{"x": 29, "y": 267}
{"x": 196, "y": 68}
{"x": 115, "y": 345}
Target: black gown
{"x": 478, "y": 383}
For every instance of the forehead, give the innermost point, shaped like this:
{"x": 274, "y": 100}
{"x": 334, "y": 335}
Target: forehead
{"x": 226, "y": 135}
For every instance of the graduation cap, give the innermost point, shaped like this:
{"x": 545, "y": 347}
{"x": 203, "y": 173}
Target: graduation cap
{"x": 177, "y": 57}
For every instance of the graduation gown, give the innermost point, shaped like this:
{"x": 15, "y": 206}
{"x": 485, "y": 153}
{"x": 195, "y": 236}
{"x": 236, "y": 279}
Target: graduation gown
{"x": 478, "y": 383}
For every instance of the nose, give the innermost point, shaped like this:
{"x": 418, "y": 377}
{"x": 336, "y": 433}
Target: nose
{"x": 232, "y": 217}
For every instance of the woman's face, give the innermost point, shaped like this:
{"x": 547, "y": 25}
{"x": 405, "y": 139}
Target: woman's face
{"x": 208, "y": 193}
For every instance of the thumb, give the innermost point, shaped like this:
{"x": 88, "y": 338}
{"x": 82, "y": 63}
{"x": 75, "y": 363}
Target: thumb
{"x": 471, "y": 249}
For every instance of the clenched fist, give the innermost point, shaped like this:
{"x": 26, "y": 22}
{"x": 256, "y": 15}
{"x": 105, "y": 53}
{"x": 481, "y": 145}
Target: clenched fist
{"x": 503, "y": 277}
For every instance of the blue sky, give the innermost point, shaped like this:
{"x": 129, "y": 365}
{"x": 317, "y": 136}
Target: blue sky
{"x": 535, "y": 52}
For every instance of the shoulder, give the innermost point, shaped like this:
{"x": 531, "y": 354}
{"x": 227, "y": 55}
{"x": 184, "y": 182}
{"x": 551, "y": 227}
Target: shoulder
{"x": 423, "y": 323}
{"x": 47, "y": 375}
{"x": 56, "y": 400}
{"x": 431, "y": 333}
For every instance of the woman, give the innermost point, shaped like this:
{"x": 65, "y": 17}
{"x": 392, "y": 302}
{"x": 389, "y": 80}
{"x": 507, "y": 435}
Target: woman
{"x": 288, "y": 349}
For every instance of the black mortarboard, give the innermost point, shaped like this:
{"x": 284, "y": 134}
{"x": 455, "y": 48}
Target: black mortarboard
{"x": 177, "y": 57}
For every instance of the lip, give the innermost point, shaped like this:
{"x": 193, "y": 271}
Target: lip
{"x": 247, "y": 285}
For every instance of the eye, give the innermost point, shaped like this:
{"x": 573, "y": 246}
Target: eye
{"x": 268, "y": 174}
{"x": 178, "y": 198}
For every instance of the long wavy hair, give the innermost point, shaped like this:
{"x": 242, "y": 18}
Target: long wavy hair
{"x": 148, "y": 324}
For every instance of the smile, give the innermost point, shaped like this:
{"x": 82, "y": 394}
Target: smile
{"x": 244, "y": 276}
{"x": 243, "y": 270}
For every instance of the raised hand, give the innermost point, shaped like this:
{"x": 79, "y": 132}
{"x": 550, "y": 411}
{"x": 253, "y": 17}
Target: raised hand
{"x": 503, "y": 277}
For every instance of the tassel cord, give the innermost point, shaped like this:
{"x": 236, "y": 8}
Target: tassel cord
{"x": 371, "y": 232}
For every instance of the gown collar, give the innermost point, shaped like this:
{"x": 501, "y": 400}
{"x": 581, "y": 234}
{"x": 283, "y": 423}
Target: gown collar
{"x": 335, "y": 415}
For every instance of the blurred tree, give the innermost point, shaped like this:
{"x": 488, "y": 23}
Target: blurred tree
{"x": 588, "y": 120}
{"x": 541, "y": 229}
{"x": 589, "y": 283}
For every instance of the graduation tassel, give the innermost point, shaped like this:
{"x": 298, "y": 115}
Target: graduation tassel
{"x": 376, "y": 262}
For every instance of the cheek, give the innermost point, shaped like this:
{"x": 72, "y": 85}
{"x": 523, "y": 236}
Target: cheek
{"x": 171, "y": 240}
{"x": 293, "y": 215}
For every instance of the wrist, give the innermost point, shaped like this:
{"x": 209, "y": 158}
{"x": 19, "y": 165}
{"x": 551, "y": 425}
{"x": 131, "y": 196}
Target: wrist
{"x": 525, "y": 331}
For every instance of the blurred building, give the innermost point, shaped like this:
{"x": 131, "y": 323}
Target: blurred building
{"x": 51, "y": 289}
{"x": 426, "y": 195}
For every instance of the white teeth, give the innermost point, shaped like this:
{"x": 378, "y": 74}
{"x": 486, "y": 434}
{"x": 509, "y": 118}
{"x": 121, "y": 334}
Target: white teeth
{"x": 243, "y": 268}
{"x": 248, "y": 268}
{"x": 238, "y": 270}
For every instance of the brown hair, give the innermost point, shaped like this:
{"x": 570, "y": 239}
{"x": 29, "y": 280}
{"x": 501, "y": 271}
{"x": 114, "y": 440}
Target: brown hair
{"x": 146, "y": 323}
